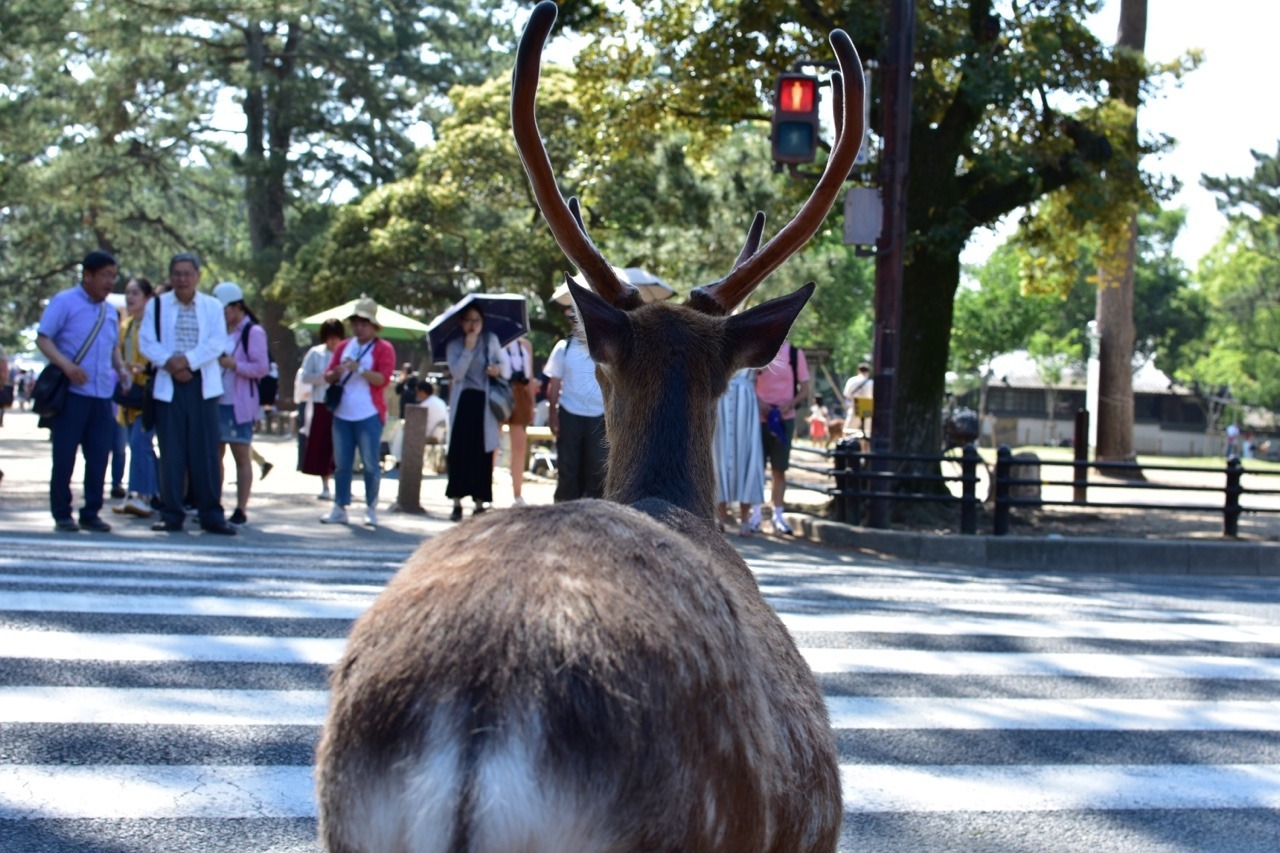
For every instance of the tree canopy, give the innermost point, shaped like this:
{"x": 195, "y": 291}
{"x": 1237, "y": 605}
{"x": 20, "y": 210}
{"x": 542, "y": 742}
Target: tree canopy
{"x": 1005, "y": 109}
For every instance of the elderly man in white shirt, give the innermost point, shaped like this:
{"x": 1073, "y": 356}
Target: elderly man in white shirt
{"x": 191, "y": 335}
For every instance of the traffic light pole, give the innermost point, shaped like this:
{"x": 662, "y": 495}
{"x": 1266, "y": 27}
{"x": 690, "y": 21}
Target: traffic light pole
{"x": 896, "y": 109}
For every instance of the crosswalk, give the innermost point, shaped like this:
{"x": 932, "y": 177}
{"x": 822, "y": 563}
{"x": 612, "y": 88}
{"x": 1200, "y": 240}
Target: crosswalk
{"x": 170, "y": 699}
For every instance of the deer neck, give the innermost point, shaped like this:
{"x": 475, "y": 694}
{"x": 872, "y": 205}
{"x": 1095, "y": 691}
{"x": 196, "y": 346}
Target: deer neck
{"x": 663, "y": 449}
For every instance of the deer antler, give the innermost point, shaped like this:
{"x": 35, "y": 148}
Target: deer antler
{"x": 753, "y": 267}
{"x": 564, "y": 220}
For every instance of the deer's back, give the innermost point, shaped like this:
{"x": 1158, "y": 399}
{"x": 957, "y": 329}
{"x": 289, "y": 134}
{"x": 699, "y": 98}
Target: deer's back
{"x": 576, "y": 677}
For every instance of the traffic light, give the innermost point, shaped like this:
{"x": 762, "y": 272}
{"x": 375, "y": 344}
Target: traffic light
{"x": 795, "y": 118}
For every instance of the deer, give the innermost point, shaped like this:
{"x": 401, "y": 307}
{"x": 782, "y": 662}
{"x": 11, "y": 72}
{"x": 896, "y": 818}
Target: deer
{"x": 599, "y": 675}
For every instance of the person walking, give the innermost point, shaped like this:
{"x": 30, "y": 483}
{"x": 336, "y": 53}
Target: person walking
{"x": 738, "y": 451}
{"x": 78, "y": 332}
{"x": 144, "y": 483}
{"x": 780, "y": 387}
{"x": 362, "y": 366}
{"x": 576, "y": 420}
{"x": 243, "y": 361}
{"x": 188, "y": 384}
{"x": 317, "y": 454}
{"x": 474, "y": 357}
{"x": 524, "y": 388}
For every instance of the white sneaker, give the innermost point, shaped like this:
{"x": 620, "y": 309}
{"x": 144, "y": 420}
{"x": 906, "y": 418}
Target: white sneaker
{"x": 337, "y": 515}
{"x": 780, "y": 525}
{"x": 326, "y": 495}
{"x": 137, "y": 506}
{"x": 755, "y": 518}
{"x": 371, "y": 517}
{"x": 517, "y": 501}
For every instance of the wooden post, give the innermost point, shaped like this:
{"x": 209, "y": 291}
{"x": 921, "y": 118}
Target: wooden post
{"x": 414, "y": 439}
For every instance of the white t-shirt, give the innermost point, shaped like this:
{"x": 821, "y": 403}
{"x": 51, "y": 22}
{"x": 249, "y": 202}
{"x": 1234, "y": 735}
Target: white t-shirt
{"x": 437, "y": 412}
{"x": 579, "y": 391}
{"x": 357, "y": 399}
{"x": 859, "y": 386}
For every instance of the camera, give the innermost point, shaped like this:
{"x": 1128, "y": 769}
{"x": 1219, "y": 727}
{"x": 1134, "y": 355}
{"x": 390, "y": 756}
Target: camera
{"x": 518, "y": 376}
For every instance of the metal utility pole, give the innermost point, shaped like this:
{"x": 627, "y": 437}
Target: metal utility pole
{"x": 895, "y": 105}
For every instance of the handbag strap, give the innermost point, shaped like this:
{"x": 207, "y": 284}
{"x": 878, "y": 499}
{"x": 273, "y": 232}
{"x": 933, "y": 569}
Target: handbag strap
{"x": 359, "y": 356}
{"x": 93, "y": 335}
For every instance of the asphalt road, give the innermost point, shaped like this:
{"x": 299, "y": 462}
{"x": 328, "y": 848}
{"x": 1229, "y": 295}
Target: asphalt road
{"x": 167, "y": 696}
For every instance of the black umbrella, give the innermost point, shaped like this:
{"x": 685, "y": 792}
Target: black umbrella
{"x": 505, "y": 314}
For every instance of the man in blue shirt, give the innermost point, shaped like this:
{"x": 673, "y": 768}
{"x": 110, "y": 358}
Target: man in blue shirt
{"x": 78, "y": 320}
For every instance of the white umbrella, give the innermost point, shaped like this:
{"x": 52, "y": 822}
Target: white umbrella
{"x": 652, "y": 288}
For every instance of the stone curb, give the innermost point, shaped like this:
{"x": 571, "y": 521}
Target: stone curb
{"x": 1057, "y": 554}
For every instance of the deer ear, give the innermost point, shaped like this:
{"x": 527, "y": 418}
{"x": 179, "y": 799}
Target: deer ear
{"x": 755, "y": 336}
{"x": 606, "y": 327}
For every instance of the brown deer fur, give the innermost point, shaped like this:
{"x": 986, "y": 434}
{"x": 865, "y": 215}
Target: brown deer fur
{"x": 595, "y": 675}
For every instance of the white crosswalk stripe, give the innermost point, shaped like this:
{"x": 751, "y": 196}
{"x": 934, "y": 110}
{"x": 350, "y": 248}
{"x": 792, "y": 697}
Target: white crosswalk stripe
{"x": 172, "y": 689}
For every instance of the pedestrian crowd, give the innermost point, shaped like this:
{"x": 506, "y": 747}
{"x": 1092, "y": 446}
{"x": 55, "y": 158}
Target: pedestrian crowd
{"x": 177, "y": 382}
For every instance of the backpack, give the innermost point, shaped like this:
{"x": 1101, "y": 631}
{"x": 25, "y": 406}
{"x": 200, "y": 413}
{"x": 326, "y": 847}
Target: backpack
{"x": 268, "y": 387}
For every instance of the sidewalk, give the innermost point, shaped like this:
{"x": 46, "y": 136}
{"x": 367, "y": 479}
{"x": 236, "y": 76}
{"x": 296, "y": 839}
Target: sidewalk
{"x": 284, "y": 514}
{"x": 283, "y": 511}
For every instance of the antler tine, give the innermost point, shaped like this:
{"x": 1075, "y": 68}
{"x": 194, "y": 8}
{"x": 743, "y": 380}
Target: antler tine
{"x": 753, "y": 240}
{"x": 731, "y": 290}
{"x": 565, "y": 227}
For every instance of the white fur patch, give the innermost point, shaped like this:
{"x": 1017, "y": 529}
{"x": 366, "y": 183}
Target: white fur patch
{"x": 519, "y": 808}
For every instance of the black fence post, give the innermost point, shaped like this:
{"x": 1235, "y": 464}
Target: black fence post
{"x": 1231, "y": 506}
{"x": 969, "y": 490}
{"x": 841, "y": 456}
{"x": 1080, "y": 455}
{"x": 860, "y": 463}
{"x": 1004, "y": 461}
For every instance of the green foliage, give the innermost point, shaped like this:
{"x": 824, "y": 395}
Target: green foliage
{"x": 989, "y": 130}
{"x": 465, "y": 220}
{"x": 1239, "y": 296}
{"x": 1002, "y": 313}
{"x": 118, "y": 125}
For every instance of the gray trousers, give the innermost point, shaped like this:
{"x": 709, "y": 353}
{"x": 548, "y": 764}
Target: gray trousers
{"x": 188, "y": 432}
{"x": 581, "y": 454}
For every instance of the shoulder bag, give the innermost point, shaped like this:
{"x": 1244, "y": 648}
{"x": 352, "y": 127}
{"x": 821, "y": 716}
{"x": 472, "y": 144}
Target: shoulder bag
{"x": 501, "y": 401}
{"x": 138, "y": 391}
{"x": 333, "y": 394}
{"x": 49, "y": 396}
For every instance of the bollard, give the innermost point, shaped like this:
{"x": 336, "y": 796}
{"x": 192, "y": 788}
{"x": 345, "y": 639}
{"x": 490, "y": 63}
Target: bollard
{"x": 969, "y": 490}
{"x": 1080, "y": 456}
{"x": 1004, "y": 461}
{"x": 1231, "y": 507}
{"x": 848, "y": 508}
{"x": 414, "y": 439}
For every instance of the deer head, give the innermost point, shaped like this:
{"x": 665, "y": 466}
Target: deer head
{"x": 662, "y": 367}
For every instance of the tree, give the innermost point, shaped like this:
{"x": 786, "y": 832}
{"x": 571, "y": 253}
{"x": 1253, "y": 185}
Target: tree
{"x": 1242, "y": 279}
{"x": 97, "y": 141}
{"x": 327, "y": 92}
{"x": 1114, "y": 315}
{"x": 988, "y": 136}
{"x": 466, "y": 220}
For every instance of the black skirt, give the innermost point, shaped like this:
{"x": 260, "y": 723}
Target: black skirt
{"x": 470, "y": 465}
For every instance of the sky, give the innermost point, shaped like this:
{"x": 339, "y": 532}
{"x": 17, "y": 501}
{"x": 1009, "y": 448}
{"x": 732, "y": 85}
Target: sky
{"x": 1222, "y": 110}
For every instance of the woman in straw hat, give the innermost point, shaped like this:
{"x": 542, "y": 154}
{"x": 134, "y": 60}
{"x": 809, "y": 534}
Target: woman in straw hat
{"x": 361, "y": 366}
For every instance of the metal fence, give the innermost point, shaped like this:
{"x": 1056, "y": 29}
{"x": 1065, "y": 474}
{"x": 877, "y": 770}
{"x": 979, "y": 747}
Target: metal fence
{"x": 864, "y": 485}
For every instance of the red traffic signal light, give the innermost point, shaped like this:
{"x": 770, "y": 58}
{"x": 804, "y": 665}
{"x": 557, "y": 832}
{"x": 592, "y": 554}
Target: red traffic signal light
{"x": 795, "y": 118}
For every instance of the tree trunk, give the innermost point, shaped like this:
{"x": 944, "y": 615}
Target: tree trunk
{"x": 267, "y": 139}
{"x": 1114, "y": 313}
{"x": 929, "y": 280}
